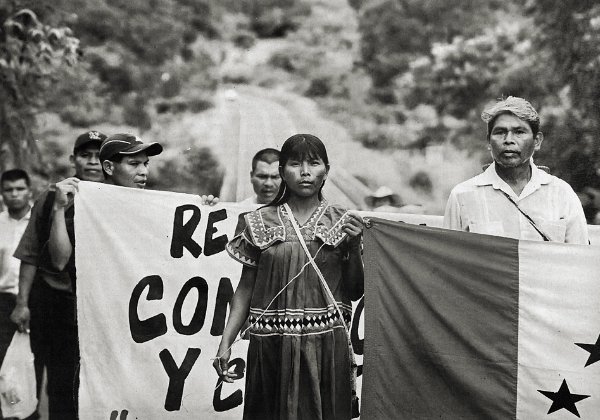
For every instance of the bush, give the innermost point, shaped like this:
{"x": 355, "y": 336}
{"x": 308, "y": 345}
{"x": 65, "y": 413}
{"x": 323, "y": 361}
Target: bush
{"x": 238, "y": 74}
{"x": 135, "y": 114}
{"x": 244, "y": 39}
{"x": 379, "y": 137}
{"x": 285, "y": 60}
{"x": 320, "y": 86}
{"x": 199, "y": 172}
{"x": 421, "y": 181}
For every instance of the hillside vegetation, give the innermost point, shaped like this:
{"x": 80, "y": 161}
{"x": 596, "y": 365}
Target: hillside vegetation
{"x": 405, "y": 78}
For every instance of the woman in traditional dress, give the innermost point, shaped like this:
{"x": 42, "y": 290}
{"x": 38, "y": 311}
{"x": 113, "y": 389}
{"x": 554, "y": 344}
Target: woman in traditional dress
{"x": 299, "y": 363}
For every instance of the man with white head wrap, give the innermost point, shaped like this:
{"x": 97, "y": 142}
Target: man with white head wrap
{"x": 513, "y": 197}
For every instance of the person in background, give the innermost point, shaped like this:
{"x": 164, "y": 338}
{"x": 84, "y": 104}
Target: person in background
{"x": 386, "y": 201}
{"x": 15, "y": 187}
{"x": 513, "y": 197}
{"x": 46, "y": 299}
{"x": 383, "y": 200}
{"x": 264, "y": 176}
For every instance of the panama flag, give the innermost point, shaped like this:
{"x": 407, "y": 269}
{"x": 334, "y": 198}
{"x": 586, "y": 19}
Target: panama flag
{"x": 468, "y": 326}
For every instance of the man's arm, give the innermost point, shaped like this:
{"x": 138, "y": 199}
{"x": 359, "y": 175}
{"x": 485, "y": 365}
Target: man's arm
{"x": 20, "y": 315}
{"x": 577, "y": 229}
{"x": 452, "y": 218}
{"x": 59, "y": 243}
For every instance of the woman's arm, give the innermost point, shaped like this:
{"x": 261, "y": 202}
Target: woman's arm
{"x": 352, "y": 265}
{"x": 240, "y": 307}
{"x": 352, "y": 270}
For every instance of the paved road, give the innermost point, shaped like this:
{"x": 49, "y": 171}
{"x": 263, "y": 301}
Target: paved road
{"x": 250, "y": 122}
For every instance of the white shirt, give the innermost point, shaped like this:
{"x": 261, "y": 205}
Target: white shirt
{"x": 11, "y": 231}
{"x": 478, "y": 205}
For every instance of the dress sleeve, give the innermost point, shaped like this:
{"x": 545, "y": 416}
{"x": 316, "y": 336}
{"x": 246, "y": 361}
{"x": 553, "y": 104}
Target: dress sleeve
{"x": 241, "y": 248}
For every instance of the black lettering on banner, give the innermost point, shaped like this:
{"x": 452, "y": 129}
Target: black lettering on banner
{"x": 115, "y": 413}
{"x": 177, "y": 376}
{"x": 357, "y": 342}
{"x": 235, "y": 399}
{"x": 224, "y": 296}
{"x": 182, "y": 233}
{"x": 155, "y": 326}
{"x": 214, "y": 245}
{"x": 197, "y": 320}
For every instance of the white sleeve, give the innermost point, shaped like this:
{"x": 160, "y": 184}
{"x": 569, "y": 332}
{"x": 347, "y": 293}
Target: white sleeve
{"x": 452, "y": 219}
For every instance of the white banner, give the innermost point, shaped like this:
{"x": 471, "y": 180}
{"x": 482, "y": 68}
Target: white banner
{"x": 153, "y": 287}
{"x": 153, "y": 290}
{"x": 154, "y": 284}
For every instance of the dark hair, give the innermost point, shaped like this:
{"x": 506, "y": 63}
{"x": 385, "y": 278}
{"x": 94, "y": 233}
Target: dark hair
{"x": 299, "y": 147}
{"x": 268, "y": 155}
{"x": 534, "y": 125}
{"x": 15, "y": 175}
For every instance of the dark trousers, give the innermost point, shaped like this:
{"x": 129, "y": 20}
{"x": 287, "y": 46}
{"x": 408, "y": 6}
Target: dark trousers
{"x": 7, "y": 327}
{"x": 54, "y": 344}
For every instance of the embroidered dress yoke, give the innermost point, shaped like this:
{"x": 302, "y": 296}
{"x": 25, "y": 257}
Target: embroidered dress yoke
{"x": 298, "y": 357}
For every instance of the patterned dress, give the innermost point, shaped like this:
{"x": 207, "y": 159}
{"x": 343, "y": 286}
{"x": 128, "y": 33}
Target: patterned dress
{"x": 298, "y": 364}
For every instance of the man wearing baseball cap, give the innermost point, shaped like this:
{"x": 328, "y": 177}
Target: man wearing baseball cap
{"x": 125, "y": 160}
{"x": 513, "y": 197}
{"x": 46, "y": 301}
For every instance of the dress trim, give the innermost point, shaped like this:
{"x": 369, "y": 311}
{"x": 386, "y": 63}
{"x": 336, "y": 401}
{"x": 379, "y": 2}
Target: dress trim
{"x": 264, "y": 233}
{"x": 306, "y": 321}
{"x": 239, "y": 257}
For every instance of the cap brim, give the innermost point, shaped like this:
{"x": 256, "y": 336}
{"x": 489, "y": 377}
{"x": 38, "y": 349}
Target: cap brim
{"x": 151, "y": 149}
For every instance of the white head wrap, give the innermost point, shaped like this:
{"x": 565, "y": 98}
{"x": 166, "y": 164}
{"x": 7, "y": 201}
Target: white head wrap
{"x": 517, "y": 106}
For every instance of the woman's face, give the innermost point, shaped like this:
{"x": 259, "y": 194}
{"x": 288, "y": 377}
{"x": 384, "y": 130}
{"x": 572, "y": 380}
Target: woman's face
{"x": 304, "y": 178}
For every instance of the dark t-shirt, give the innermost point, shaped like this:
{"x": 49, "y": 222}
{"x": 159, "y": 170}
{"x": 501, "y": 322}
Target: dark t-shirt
{"x": 33, "y": 247}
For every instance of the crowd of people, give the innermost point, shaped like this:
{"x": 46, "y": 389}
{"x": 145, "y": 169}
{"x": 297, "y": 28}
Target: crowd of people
{"x": 293, "y": 365}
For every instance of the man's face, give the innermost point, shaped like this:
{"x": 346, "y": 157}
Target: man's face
{"x": 16, "y": 195}
{"x": 265, "y": 181}
{"x": 131, "y": 172}
{"x": 86, "y": 161}
{"x": 512, "y": 142}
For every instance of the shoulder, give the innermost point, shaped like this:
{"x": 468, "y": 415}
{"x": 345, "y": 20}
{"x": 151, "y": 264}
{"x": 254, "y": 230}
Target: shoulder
{"x": 558, "y": 182}
{"x": 464, "y": 191}
{"x": 264, "y": 226}
{"x": 42, "y": 207}
{"x": 470, "y": 184}
{"x": 329, "y": 225}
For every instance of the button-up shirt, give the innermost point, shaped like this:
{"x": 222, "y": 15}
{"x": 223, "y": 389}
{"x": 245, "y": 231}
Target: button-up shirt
{"x": 11, "y": 231}
{"x": 480, "y": 205}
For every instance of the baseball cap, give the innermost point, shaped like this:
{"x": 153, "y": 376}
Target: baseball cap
{"x": 127, "y": 144}
{"x": 89, "y": 137}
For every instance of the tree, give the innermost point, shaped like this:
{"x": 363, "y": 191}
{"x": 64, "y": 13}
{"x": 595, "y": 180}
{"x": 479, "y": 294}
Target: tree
{"x": 394, "y": 32}
{"x": 568, "y": 34}
{"x": 30, "y": 54}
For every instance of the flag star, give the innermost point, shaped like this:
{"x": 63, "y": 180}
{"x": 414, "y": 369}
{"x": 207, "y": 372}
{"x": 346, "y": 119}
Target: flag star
{"x": 593, "y": 350}
{"x": 563, "y": 399}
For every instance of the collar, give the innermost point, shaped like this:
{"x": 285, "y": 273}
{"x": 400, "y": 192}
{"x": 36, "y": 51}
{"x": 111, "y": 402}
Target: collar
{"x": 25, "y": 218}
{"x": 490, "y": 177}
